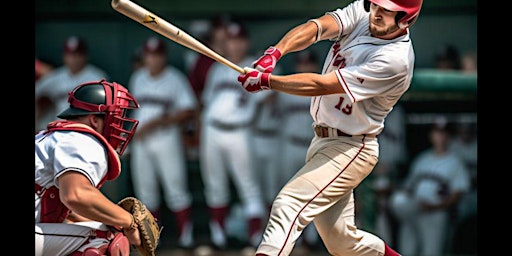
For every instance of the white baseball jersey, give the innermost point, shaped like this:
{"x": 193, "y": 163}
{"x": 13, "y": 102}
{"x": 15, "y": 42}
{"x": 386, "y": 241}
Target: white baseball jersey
{"x": 168, "y": 93}
{"x": 432, "y": 176}
{"x": 359, "y": 60}
{"x": 60, "y": 152}
{"x": 160, "y": 157}
{"x": 56, "y": 154}
{"x": 227, "y": 101}
{"x": 58, "y": 83}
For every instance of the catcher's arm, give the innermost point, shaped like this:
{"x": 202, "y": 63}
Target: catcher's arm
{"x": 75, "y": 217}
{"x": 132, "y": 233}
{"x": 87, "y": 201}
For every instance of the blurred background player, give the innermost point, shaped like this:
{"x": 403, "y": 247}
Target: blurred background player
{"x": 158, "y": 158}
{"x": 432, "y": 189}
{"x": 226, "y": 153}
{"x": 52, "y": 89}
{"x": 214, "y": 36}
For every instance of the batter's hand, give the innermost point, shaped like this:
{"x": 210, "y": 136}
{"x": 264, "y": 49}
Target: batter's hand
{"x": 254, "y": 80}
{"x": 268, "y": 61}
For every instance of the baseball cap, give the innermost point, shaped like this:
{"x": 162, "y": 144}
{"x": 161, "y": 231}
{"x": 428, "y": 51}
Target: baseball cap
{"x": 236, "y": 29}
{"x": 154, "y": 45}
{"x": 75, "y": 44}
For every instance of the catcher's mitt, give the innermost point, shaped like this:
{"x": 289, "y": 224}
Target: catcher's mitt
{"x": 148, "y": 227}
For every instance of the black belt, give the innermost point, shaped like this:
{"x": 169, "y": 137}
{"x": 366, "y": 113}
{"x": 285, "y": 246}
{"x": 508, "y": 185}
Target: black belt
{"x": 227, "y": 127}
{"x": 323, "y": 132}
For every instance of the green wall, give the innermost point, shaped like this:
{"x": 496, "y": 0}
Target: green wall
{"x": 113, "y": 37}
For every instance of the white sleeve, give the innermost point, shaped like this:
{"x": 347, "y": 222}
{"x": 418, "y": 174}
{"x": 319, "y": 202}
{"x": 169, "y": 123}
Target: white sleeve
{"x": 185, "y": 97}
{"x": 348, "y": 17}
{"x": 82, "y": 153}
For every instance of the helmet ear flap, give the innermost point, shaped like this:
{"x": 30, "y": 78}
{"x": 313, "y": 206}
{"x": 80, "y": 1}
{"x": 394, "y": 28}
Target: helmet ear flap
{"x": 403, "y": 24}
{"x": 366, "y": 4}
{"x": 398, "y": 17}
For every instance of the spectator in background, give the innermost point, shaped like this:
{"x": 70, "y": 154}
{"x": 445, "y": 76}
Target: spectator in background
{"x": 52, "y": 89}
{"x": 294, "y": 112}
{"x": 158, "y": 155}
{"x": 436, "y": 182}
{"x": 469, "y": 63}
{"x": 226, "y": 153}
{"x": 448, "y": 58}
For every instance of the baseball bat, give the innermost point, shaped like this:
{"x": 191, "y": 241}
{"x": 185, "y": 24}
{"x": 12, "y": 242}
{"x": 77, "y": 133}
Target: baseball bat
{"x": 164, "y": 28}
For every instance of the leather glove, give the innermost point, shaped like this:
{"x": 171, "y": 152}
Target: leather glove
{"x": 255, "y": 81}
{"x": 268, "y": 61}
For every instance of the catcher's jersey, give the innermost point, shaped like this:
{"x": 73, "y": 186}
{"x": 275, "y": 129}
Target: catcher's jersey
{"x": 62, "y": 151}
{"x": 373, "y": 72}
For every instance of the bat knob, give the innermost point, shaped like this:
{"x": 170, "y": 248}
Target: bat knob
{"x": 248, "y": 69}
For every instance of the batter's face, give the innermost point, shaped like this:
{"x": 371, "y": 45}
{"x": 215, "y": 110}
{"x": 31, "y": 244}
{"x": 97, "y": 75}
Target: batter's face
{"x": 382, "y": 22}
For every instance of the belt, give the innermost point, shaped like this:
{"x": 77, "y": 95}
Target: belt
{"x": 228, "y": 127}
{"x": 323, "y": 132}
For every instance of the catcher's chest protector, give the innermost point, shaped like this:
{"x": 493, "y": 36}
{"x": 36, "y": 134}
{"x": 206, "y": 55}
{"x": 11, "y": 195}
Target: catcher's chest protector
{"x": 52, "y": 209}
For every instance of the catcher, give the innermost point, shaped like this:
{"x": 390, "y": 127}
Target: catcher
{"x": 74, "y": 158}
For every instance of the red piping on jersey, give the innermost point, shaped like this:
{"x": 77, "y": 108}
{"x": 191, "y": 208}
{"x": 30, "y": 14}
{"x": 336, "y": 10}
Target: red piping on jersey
{"x": 318, "y": 107}
{"x": 347, "y": 90}
{"x": 328, "y": 184}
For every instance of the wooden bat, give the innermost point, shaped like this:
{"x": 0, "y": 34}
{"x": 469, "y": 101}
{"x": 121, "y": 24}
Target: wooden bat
{"x": 155, "y": 23}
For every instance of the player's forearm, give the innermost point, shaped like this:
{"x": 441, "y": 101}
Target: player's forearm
{"x": 305, "y": 84}
{"x": 92, "y": 204}
{"x": 306, "y": 34}
{"x": 299, "y": 38}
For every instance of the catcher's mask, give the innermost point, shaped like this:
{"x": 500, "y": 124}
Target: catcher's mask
{"x": 408, "y": 10}
{"x": 111, "y": 100}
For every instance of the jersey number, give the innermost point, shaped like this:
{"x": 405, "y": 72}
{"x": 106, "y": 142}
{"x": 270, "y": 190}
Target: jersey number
{"x": 347, "y": 110}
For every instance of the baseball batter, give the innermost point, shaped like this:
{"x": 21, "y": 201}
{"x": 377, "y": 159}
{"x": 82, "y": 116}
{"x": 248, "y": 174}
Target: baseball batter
{"x": 367, "y": 69}
{"x": 74, "y": 157}
{"x": 55, "y": 85}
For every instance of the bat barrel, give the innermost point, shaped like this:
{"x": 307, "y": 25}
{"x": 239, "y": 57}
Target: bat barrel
{"x": 166, "y": 29}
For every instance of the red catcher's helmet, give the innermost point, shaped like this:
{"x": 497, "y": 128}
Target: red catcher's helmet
{"x": 109, "y": 99}
{"x": 408, "y": 10}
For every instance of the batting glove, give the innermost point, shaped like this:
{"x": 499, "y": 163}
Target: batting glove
{"x": 255, "y": 81}
{"x": 268, "y": 61}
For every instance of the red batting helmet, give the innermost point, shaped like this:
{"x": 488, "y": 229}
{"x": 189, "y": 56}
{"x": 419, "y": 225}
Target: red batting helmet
{"x": 408, "y": 10}
{"x": 111, "y": 100}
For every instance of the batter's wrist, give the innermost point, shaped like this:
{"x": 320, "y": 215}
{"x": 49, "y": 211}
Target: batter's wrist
{"x": 265, "y": 81}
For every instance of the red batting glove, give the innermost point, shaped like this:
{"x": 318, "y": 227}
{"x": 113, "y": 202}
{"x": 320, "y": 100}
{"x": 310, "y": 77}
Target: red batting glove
{"x": 255, "y": 81}
{"x": 268, "y": 61}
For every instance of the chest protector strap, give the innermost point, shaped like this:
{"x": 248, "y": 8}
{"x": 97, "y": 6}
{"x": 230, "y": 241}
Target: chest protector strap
{"x": 52, "y": 209}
